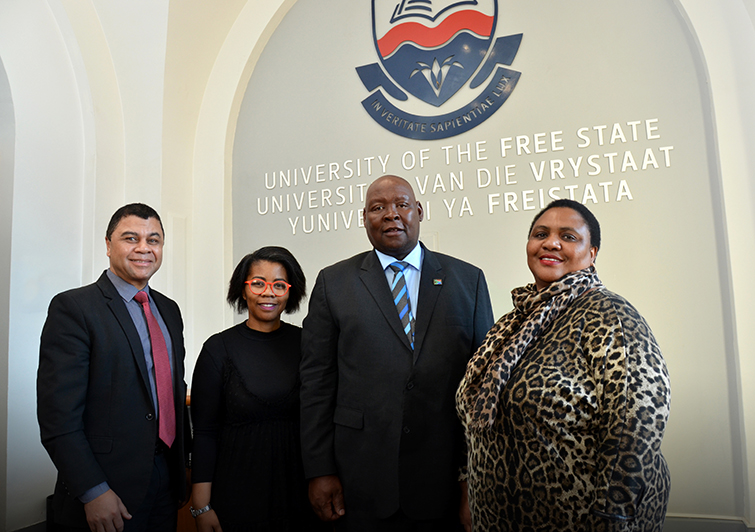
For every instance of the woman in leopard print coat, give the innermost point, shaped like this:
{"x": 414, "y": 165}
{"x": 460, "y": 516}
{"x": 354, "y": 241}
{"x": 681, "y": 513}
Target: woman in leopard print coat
{"x": 566, "y": 402}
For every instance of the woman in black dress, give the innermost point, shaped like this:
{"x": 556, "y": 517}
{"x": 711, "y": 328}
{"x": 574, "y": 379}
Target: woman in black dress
{"x": 246, "y": 465}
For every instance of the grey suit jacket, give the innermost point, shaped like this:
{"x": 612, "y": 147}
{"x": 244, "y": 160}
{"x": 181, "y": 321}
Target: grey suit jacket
{"x": 374, "y": 412}
{"x": 96, "y": 417}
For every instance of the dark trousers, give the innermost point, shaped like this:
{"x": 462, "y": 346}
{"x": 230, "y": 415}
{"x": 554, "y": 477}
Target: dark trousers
{"x": 159, "y": 510}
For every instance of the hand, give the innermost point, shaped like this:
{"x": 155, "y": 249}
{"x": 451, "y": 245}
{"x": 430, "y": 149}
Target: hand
{"x": 201, "y": 493}
{"x": 326, "y": 497}
{"x": 208, "y": 522}
{"x": 106, "y": 513}
{"x": 465, "y": 516}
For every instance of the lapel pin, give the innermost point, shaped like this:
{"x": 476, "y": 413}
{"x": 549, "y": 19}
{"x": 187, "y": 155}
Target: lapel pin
{"x": 437, "y": 282}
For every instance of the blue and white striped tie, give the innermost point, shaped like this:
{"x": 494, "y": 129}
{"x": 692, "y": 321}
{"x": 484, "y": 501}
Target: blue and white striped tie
{"x": 401, "y": 299}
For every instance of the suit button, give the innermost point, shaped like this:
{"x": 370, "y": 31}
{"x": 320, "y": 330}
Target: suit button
{"x": 409, "y": 385}
{"x": 149, "y": 417}
{"x": 406, "y": 430}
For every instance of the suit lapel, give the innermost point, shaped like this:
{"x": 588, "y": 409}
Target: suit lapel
{"x": 172, "y": 322}
{"x": 373, "y": 277}
{"x": 175, "y": 329}
{"x": 119, "y": 310}
{"x": 430, "y": 286}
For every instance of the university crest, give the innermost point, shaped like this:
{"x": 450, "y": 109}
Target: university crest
{"x": 428, "y": 50}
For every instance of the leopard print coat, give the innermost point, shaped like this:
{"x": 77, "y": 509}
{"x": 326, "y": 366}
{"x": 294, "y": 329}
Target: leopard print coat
{"x": 576, "y": 440}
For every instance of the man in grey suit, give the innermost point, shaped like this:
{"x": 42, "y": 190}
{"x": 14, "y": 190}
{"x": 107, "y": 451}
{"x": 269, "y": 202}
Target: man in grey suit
{"x": 384, "y": 346}
{"x": 110, "y": 390}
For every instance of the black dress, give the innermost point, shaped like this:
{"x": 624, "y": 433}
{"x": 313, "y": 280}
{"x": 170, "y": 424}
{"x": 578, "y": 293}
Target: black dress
{"x": 245, "y": 409}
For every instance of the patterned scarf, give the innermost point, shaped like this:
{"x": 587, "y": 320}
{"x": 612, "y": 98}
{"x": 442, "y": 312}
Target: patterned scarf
{"x": 534, "y": 311}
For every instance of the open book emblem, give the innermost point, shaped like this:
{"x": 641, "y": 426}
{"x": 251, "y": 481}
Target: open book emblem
{"x": 430, "y": 50}
{"x": 432, "y": 47}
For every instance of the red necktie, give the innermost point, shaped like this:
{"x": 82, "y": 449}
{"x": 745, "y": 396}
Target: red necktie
{"x": 163, "y": 380}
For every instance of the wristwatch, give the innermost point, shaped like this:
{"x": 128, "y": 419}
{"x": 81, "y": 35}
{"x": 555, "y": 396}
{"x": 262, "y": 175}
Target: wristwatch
{"x": 195, "y": 513}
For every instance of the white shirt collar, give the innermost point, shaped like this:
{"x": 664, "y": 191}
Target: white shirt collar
{"x": 414, "y": 258}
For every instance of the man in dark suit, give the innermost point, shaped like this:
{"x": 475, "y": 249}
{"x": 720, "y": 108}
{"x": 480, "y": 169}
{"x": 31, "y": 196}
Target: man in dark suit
{"x": 384, "y": 347}
{"x": 110, "y": 389}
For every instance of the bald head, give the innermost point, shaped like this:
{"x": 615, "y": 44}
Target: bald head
{"x": 392, "y": 215}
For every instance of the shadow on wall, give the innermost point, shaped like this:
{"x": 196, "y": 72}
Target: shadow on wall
{"x": 7, "y": 151}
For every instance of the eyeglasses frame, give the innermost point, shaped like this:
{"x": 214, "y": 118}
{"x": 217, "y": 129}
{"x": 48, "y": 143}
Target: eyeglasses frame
{"x": 267, "y": 283}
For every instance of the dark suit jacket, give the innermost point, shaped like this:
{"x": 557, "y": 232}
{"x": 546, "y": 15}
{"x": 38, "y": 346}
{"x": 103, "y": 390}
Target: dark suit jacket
{"x": 375, "y": 413}
{"x": 95, "y": 411}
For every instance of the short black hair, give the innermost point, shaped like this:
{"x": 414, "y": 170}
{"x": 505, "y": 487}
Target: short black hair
{"x": 592, "y": 222}
{"x": 132, "y": 209}
{"x": 275, "y": 254}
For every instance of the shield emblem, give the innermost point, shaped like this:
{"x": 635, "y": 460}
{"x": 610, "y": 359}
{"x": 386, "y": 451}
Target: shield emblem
{"x": 432, "y": 47}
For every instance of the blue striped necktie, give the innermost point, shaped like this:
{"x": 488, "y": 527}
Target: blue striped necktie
{"x": 401, "y": 299}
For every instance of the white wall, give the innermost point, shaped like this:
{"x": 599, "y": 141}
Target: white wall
{"x": 45, "y": 257}
{"x": 125, "y": 100}
{"x": 725, "y": 31}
